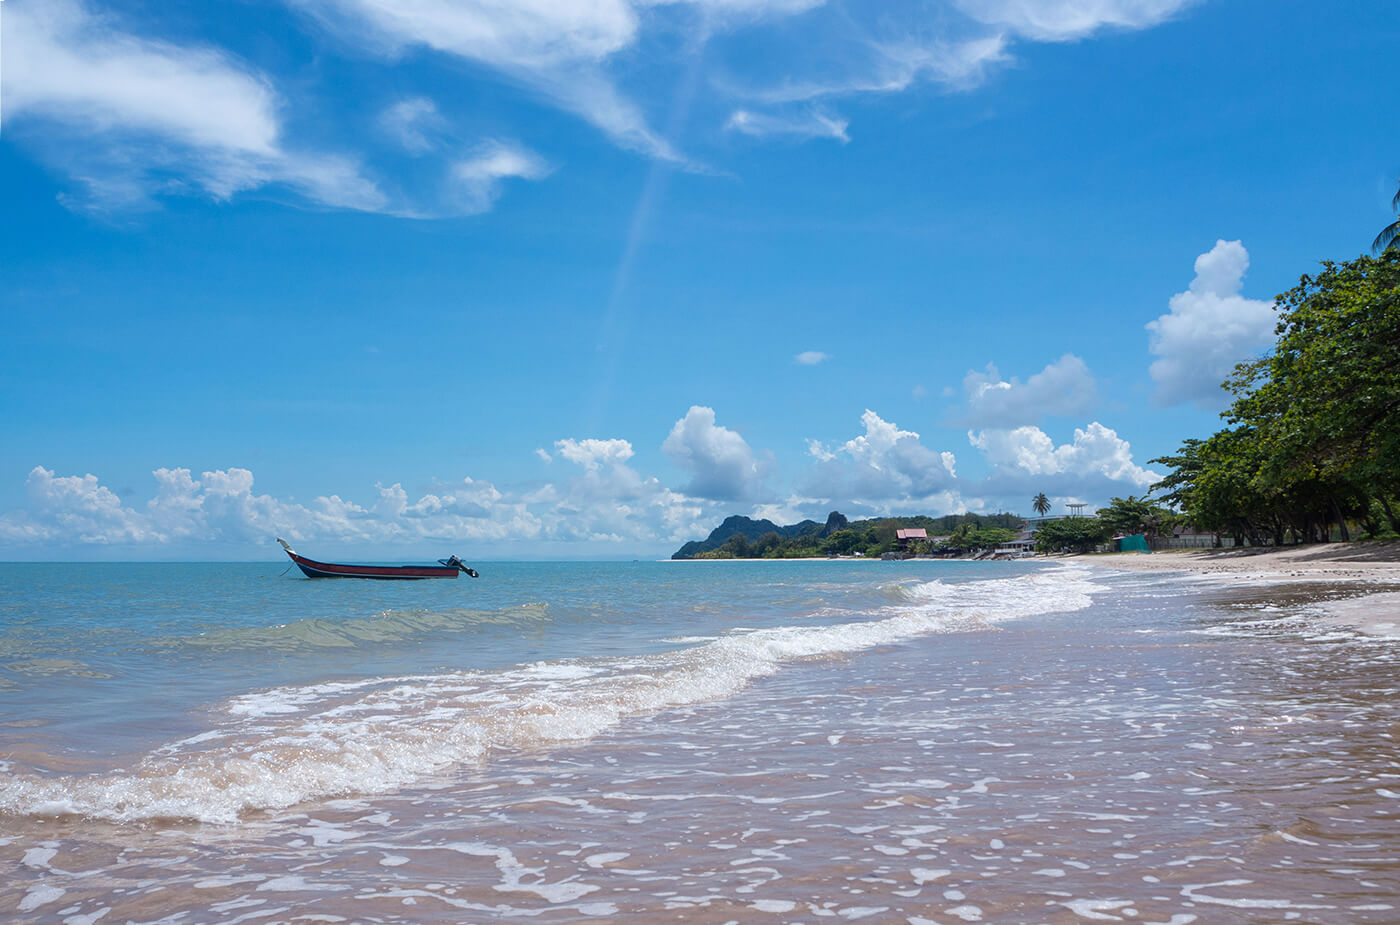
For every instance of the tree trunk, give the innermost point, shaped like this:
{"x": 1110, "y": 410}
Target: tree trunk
{"x": 1389, "y": 514}
{"x": 1341, "y": 521}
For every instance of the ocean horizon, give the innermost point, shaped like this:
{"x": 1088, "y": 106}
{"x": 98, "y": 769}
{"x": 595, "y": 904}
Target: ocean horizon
{"x": 917, "y": 741}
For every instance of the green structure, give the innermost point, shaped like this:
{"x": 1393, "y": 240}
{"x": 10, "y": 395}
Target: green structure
{"x": 1135, "y": 543}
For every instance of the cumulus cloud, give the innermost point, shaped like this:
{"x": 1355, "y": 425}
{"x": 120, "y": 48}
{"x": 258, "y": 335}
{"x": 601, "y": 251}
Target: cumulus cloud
{"x": 606, "y": 502}
{"x": 1097, "y": 461}
{"x": 811, "y": 357}
{"x": 1065, "y": 387}
{"x": 884, "y": 468}
{"x": 612, "y": 502}
{"x": 721, "y": 464}
{"x": 594, "y": 454}
{"x": 599, "y": 499}
{"x": 122, "y": 114}
{"x": 1208, "y": 329}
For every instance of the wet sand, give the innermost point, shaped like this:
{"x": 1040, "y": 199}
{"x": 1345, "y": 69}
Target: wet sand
{"x": 1363, "y": 575}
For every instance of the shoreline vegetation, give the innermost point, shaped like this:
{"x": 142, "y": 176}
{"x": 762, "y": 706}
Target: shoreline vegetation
{"x": 740, "y": 537}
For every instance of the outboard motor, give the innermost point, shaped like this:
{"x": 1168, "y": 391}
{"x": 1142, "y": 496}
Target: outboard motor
{"x": 453, "y": 560}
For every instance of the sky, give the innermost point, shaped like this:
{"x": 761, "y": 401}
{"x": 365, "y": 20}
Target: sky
{"x": 536, "y": 279}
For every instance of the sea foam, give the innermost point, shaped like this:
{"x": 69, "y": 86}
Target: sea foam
{"x": 280, "y": 747}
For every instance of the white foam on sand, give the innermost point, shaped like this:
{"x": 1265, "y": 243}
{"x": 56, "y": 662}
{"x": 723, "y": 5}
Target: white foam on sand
{"x": 1374, "y": 614}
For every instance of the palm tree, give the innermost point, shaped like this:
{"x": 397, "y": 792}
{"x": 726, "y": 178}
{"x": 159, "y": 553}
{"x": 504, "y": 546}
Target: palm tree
{"x": 1390, "y": 234}
{"x": 1041, "y": 504}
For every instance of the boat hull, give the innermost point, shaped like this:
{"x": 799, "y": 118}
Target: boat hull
{"x": 313, "y": 569}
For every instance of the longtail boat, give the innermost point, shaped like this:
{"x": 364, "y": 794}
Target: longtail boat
{"x": 313, "y": 569}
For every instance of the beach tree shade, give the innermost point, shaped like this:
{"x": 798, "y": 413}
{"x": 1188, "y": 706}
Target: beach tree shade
{"x": 1041, "y": 504}
{"x": 1390, "y": 234}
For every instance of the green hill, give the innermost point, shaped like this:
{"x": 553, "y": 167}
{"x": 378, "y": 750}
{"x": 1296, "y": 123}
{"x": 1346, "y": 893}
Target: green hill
{"x": 740, "y": 537}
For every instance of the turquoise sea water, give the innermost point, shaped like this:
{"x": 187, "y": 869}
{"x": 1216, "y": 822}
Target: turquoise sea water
{"x": 109, "y": 662}
{"x": 743, "y": 741}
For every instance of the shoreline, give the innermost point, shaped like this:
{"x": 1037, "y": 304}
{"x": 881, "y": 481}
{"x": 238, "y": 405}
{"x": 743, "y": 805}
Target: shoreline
{"x": 1375, "y": 610}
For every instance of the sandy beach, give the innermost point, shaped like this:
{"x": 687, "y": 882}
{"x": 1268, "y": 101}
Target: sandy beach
{"x": 1372, "y": 569}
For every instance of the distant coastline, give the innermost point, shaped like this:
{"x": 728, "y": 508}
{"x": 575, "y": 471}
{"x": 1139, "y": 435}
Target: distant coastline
{"x": 740, "y": 537}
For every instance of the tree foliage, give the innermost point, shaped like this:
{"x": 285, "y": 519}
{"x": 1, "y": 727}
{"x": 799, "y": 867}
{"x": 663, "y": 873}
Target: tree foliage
{"x": 1390, "y": 234}
{"x": 1072, "y": 534}
{"x": 1314, "y": 436}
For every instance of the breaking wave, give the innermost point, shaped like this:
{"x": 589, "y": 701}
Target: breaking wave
{"x": 280, "y": 747}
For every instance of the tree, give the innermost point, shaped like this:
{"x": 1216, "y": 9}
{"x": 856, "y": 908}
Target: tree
{"x": 1315, "y": 435}
{"x": 1390, "y": 234}
{"x": 970, "y": 535}
{"x": 1325, "y": 405}
{"x": 1074, "y": 534}
{"x": 767, "y": 544}
{"x": 737, "y": 547}
{"x": 1041, "y": 504}
{"x": 1133, "y": 515}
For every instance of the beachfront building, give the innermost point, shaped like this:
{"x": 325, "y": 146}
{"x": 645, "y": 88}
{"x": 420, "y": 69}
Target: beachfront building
{"x": 907, "y": 537}
{"x": 1024, "y": 541}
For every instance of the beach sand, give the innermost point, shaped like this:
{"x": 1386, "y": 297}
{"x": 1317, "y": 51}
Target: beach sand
{"x": 1370, "y": 570}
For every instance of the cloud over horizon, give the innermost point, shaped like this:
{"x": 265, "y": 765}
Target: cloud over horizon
{"x": 601, "y": 502}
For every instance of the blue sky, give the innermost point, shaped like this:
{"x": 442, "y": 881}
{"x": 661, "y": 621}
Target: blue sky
{"x": 527, "y": 278}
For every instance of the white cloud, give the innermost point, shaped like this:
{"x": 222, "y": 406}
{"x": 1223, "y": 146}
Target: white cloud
{"x": 608, "y": 502}
{"x": 748, "y": 9}
{"x": 888, "y": 65}
{"x": 557, "y": 49}
{"x": 411, "y": 121}
{"x": 883, "y": 469}
{"x": 594, "y": 454}
{"x": 1097, "y": 458}
{"x": 1208, "y": 329}
{"x": 794, "y": 509}
{"x": 1064, "y": 20}
{"x": 478, "y": 178}
{"x": 1065, "y": 387}
{"x": 813, "y": 123}
{"x": 124, "y": 114}
{"x": 811, "y": 357}
{"x": 720, "y": 462}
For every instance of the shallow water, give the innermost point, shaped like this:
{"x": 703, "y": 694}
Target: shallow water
{"x": 705, "y": 742}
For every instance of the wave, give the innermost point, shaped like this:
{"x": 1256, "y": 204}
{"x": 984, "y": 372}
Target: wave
{"x": 280, "y": 747}
{"x": 384, "y": 627}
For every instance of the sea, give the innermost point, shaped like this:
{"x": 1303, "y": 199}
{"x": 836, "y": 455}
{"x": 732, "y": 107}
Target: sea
{"x": 706, "y": 742}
